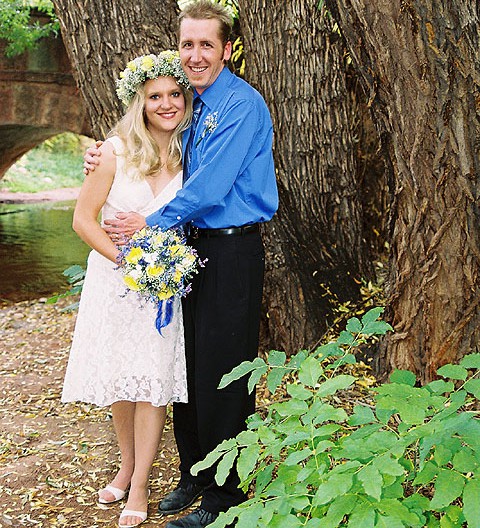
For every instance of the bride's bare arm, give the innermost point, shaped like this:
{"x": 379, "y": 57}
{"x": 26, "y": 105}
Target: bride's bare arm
{"x": 93, "y": 195}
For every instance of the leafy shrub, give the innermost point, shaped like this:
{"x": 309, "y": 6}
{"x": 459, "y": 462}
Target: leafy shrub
{"x": 411, "y": 458}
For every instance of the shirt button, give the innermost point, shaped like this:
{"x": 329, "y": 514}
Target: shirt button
{"x": 179, "y": 217}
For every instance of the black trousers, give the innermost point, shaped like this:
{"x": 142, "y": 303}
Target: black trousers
{"x": 221, "y": 318}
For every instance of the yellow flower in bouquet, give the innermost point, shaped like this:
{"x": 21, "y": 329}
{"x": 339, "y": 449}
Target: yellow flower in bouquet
{"x": 158, "y": 265}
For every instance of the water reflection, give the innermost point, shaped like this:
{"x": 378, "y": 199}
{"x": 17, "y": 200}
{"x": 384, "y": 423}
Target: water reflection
{"x": 36, "y": 244}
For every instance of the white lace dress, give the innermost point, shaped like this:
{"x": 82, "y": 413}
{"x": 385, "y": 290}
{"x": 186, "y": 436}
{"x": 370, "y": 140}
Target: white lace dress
{"x": 117, "y": 353}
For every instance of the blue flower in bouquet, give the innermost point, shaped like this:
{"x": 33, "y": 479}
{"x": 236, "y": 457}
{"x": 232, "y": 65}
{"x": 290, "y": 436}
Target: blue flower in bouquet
{"x": 158, "y": 266}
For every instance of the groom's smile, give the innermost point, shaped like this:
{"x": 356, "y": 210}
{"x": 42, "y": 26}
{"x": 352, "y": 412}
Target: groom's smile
{"x": 202, "y": 51}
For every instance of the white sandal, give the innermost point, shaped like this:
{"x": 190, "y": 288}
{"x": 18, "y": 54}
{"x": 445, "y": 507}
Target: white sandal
{"x": 132, "y": 513}
{"x": 116, "y": 492}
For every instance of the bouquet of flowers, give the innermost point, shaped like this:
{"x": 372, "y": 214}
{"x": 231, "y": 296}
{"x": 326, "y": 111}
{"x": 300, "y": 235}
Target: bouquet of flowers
{"x": 158, "y": 266}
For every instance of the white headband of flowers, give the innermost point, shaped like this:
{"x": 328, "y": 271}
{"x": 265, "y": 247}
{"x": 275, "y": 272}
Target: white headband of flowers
{"x": 141, "y": 69}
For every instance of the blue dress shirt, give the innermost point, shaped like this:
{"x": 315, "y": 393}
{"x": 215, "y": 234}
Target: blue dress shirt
{"x": 232, "y": 176}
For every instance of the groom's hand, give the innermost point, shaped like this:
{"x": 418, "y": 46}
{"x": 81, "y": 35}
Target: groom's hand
{"x": 91, "y": 157}
{"x": 120, "y": 228}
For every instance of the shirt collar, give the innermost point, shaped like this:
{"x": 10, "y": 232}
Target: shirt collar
{"x": 214, "y": 92}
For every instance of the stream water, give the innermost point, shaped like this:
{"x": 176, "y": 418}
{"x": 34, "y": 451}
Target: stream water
{"x": 37, "y": 243}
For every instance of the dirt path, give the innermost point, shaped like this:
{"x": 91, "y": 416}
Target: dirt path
{"x": 55, "y": 195}
{"x": 53, "y": 457}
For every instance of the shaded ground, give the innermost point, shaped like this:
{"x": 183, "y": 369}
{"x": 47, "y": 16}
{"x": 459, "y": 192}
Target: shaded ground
{"x": 53, "y": 457}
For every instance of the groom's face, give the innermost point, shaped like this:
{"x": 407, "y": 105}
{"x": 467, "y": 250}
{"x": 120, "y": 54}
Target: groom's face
{"x": 202, "y": 51}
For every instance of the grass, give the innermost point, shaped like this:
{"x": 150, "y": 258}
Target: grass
{"x": 55, "y": 164}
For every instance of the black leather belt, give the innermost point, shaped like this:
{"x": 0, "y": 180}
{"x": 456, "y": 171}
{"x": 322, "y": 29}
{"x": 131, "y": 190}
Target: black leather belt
{"x": 197, "y": 232}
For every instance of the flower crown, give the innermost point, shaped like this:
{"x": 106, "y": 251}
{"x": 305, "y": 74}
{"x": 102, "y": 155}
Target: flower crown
{"x": 145, "y": 67}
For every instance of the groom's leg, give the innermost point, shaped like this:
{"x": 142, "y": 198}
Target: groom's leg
{"x": 226, "y": 333}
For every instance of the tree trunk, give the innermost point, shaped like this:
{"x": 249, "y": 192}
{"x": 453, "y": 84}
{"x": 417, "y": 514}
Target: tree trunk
{"x": 102, "y": 36}
{"x": 316, "y": 253}
{"x": 419, "y": 60}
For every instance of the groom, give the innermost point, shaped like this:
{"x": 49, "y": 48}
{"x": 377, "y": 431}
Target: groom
{"x": 229, "y": 190}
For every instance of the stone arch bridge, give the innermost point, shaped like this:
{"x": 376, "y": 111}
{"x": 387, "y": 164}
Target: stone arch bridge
{"x": 38, "y": 99}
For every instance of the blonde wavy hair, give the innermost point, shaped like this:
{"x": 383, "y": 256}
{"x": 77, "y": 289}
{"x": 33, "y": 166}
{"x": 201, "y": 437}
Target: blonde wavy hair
{"x": 142, "y": 156}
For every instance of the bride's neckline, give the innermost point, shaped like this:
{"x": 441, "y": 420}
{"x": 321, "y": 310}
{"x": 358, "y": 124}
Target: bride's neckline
{"x": 164, "y": 187}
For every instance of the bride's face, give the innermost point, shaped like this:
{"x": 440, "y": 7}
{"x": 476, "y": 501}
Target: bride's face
{"x": 164, "y": 104}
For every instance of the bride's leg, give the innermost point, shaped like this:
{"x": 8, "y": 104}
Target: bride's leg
{"x": 123, "y": 413}
{"x": 149, "y": 422}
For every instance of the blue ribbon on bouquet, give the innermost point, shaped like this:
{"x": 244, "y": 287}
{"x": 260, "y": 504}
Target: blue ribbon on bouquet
{"x": 164, "y": 314}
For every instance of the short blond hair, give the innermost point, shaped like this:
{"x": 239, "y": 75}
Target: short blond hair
{"x": 206, "y": 10}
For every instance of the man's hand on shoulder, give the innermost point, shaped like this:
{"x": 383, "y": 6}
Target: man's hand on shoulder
{"x": 91, "y": 157}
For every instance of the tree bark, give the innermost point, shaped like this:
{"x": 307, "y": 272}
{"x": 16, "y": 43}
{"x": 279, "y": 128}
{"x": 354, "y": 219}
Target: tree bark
{"x": 316, "y": 255}
{"x": 419, "y": 61}
{"x": 102, "y": 36}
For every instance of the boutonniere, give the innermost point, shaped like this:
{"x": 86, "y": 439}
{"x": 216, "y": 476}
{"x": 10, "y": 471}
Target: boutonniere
{"x": 210, "y": 125}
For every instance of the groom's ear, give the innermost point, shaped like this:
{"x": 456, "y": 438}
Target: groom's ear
{"x": 227, "y": 51}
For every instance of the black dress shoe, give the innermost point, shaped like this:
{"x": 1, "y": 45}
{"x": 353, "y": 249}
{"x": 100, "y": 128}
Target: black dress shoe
{"x": 197, "y": 519}
{"x": 183, "y": 496}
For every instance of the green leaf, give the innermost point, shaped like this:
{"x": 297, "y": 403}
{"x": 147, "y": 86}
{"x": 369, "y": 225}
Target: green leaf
{"x": 296, "y": 360}
{"x": 448, "y": 486}
{"x": 310, "y": 371}
{"x": 255, "y": 378}
{"x": 473, "y": 387}
{"x": 285, "y": 521}
{"x": 440, "y": 386}
{"x": 291, "y": 408}
{"x": 297, "y": 457}
{"x": 332, "y": 385}
{"x": 345, "y": 338}
{"x": 340, "y": 507}
{"x": 362, "y": 516}
{"x": 328, "y": 350}
{"x": 371, "y": 481}
{"x": 376, "y": 328}
{"x": 427, "y": 474}
{"x": 388, "y": 465}
{"x": 249, "y": 516}
{"x": 464, "y": 461}
{"x": 372, "y": 315}
{"x": 386, "y": 521}
{"x": 299, "y": 392}
{"x": 471, "y": 503}
{"x": 213, "y": 456}
{"x": 361, "y": 415}
{"x": 274, "y": 378}
{"x": 354, "y": 325}
{"x": 276, "y": 358}
{"x": 455, "y": 372}
{"x": 329, "y": 413}
{"x": 472, "y": 361}
{"x": 247, "y": 461}
{"x": 347, "y": 359}
{"x": 224, "y": 466}
{"x": 404, "y": 377}
{"x": 394, "y": 508}
{"x": 264, "y": 478}
{"x": 335, "y": 485}
{"x": 241, "y": 370}
{"x": 442, "y": 455}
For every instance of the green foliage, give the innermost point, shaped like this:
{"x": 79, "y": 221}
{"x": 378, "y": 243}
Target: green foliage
{"x": 409, "y": 459}
{"x": 17, "y": 28}
{"x": 56, "y": 163}
{"x": 75, "y": 276}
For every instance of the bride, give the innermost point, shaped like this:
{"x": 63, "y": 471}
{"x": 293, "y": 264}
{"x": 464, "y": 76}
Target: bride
{"x": 117, "y": 356}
